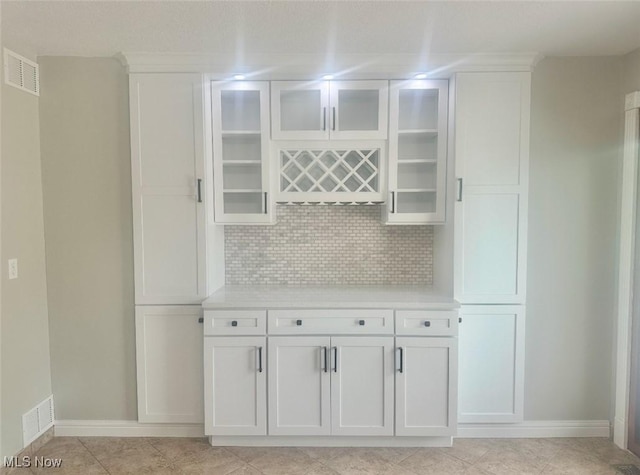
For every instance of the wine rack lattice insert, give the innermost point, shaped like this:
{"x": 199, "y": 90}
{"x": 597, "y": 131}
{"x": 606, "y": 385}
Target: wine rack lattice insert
{"x": 329, "y": 171}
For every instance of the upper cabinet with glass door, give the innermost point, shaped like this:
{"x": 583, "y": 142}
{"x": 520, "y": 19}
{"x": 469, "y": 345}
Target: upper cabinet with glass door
{"x": 240, "y": 132}
{"x": 323, "y": 110}
{"x": 417, "y": 152}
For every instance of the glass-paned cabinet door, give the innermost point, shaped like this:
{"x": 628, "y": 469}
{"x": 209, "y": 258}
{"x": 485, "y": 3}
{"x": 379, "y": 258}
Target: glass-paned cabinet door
{"x": 240, "y": 132}
{"x": 358, "y": 110}
{"x": 417, "y": 152}
{"x": 299, "y": 110}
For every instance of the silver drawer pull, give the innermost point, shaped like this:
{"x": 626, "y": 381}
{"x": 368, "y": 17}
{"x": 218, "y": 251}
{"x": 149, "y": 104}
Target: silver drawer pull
{"x": 427, "y": 323}
{"x": 361, "y": 323}
{"x": 299, "y": 323}
{"x": 234, "y": 323}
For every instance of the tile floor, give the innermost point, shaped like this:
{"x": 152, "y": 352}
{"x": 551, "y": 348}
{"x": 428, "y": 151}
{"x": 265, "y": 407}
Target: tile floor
{"x": 98, "y": 455}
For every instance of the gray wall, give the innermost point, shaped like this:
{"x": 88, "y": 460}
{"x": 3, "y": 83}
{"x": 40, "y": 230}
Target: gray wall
{"x": 84, "y": 121}
{"x": 575, "y": 140}
{"x": 26, "y": 376}
{"x": 631, "y": 72}
{"x": 576, "y": 124}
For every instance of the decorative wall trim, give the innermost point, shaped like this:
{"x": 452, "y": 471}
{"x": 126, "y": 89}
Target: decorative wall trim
{"x": 536, "y": 429}
{"x": 527, "y": 429}
{"x": 306, "y": 66}
{"x": 74, "y": 428}
{"x": 626, "y": 259}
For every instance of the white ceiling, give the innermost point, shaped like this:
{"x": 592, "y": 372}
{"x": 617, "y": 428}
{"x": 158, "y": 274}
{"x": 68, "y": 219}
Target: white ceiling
{"x": 246, "y": 30}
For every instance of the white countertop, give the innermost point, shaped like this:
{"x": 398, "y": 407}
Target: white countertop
{"x": 345, "y": 296}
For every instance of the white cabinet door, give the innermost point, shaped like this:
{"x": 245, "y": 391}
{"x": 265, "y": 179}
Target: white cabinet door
{"x": 418, "y": 122}
{"x": 240, "y": 133}
{"x": 491, "y": 363}
{"x": 321, "y": 110}
{"x": 299, "y": 381}
{"x": 492, "y": 156}
{"x": 169, "y": 364}
{"x": 359, "y": 110}
{"x": 426, "y": 386}
{"x": 168, "y": 188}
{"x": 362, "y": 386}
{"x": 299, "y": 110}
{"x": 235, "y": 385}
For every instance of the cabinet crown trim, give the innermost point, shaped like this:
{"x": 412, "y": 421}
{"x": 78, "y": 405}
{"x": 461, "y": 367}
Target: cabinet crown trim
{"x": 299, "y": 66}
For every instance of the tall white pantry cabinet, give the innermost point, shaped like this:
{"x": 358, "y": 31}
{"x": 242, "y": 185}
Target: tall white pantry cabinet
{"x": 169, "y": 230}
{"x": 490, "y": 251}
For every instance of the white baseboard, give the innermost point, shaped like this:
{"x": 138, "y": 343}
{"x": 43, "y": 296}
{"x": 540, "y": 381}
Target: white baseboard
{"x": 526, "y": 429}
{"x": 620, "y": 433}
{"x": 72, "y": 428}
{"x": 536, "y": 429}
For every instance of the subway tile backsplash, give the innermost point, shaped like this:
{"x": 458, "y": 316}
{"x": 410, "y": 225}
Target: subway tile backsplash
{"x": 329, "y": 245}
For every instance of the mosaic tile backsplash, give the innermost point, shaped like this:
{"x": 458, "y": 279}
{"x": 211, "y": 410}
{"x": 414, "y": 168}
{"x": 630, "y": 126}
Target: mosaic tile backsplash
{"x": 329, "y": 245}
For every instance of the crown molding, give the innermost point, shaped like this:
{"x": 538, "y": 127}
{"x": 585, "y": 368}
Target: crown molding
{"x": 312, "y": 66}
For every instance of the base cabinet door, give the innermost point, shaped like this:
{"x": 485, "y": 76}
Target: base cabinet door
{"x": 491, "y": 363}
{"x": 235, "y": 386}
{"x": 169, "y": 364}
{"x": 299, "y": 382}
{"x": 362, "y": 386}
{"x": 426, "y": 385}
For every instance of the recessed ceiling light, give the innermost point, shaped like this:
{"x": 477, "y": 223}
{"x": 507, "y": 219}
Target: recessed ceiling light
{"x": 327, "y": 77}
{"x": 238, "y": 77}
{"x": 420, "y": 76}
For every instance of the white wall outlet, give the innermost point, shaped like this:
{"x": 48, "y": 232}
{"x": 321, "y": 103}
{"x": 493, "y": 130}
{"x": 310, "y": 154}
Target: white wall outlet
{"x": 13, "y": 268}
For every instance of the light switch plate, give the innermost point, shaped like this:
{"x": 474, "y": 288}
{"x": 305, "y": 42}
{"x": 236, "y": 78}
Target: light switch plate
{"x": 13, "y": 268}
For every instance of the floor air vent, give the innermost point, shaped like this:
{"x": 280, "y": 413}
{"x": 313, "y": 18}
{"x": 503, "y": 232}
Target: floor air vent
{"x": 626, "y": 469}
{"x": 37, "y": 421}
{"x": 21, "y": 73}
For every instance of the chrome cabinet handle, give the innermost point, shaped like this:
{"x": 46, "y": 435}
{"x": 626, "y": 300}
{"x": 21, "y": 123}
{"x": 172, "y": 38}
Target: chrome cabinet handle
{"x": 427, "y": 323}
{"x": 335, "y": 359}
{"x": 401, "y": 359}
{"x": 393, "y": 202}
{"x": 459, "y": 198}
{"x": 325, "y": 353}
{"x": 199, "y": 190}
{"x": 265, "y": 202}
{"x": 259, "y": 359}
{"x": 333, "y": 127}
{"x": 324, "y": 118}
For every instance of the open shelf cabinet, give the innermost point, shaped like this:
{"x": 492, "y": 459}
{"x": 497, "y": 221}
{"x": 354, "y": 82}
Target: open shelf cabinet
{"x": 417, "y": 152}
{"x": 240, "y": 133}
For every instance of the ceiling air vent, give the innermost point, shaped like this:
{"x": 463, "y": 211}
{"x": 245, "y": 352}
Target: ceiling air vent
{"x": 21, "y": 73}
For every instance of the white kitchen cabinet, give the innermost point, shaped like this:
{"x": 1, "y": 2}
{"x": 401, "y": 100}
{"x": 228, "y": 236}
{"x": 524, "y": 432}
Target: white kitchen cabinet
{"x": 418, "y": 121}
{"x": 235, "y": 385}
{"x": 240, "y": 134}
{"x": 330, "y": 385}
{"x": 323, "y": 110}
{"x": 492, "y": 156}
{"x": 491, "y": 363}
{"x": 169, "y": 364}
{"x": 362, "y": 386}
{"x": 426, "y": 386}
{"x": 299, "y": 385}
{"x": 168, "y": 188}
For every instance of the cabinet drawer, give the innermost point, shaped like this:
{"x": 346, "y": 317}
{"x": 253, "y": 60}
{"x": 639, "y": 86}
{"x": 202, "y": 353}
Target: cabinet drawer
{"x": 334, "y": 321}
{"x": 427, "y": 322}
{"x": 235, "y": 322}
